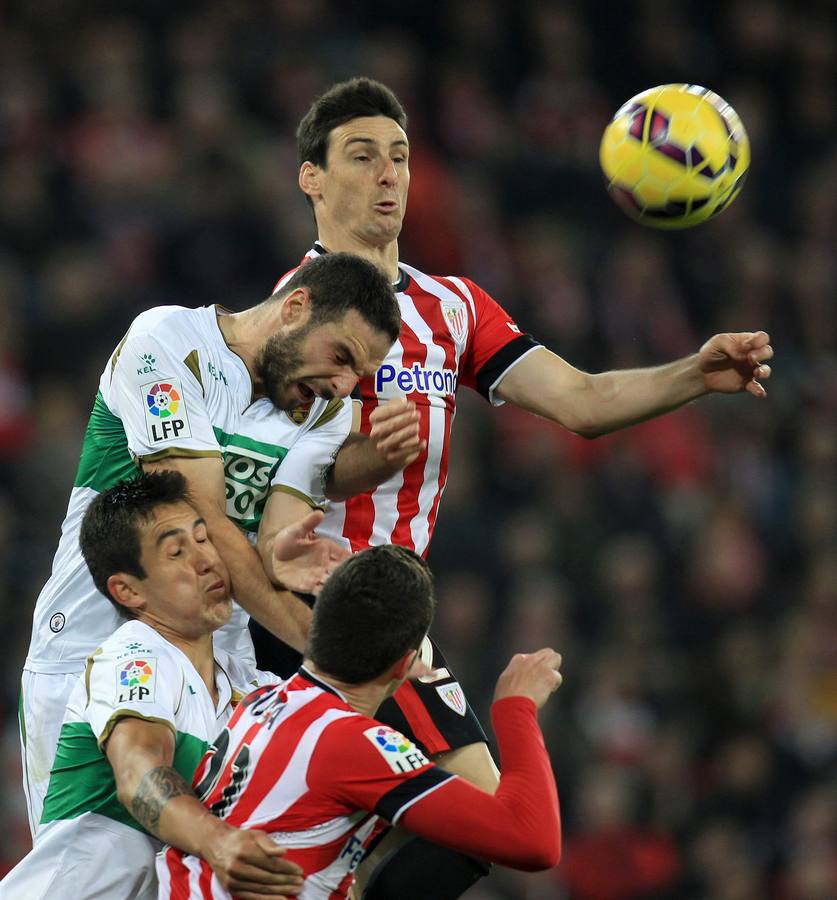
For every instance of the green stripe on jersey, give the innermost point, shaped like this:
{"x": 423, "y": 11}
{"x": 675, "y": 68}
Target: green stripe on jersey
{"x": 105, "y": 458}
{"x": 249, "y": 467}
{"x": 82, "y": 779}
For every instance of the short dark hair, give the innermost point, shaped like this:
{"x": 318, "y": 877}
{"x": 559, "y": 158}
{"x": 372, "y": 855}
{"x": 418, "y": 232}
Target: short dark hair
{"x": 110, "y": 529}
{"x": 374, "y": 608}
{"x": 340, "y": 104}
{"x": 339, "y": 282}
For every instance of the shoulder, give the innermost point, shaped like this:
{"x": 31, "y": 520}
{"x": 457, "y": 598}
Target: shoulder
{"x": 446, "y": 287}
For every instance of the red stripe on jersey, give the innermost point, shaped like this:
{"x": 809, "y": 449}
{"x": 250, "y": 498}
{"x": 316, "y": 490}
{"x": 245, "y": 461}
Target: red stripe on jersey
{"x": 205, "y": 880}
{"x": 443, "y": 477}
{"x": 434, "y": 316}
{"x": 407, "y": 501}
{"x": 274, "y": 759}
{"x": 415, "y": 712}
{"x": 360, "y": 510}
{"x": 178, "y": 875}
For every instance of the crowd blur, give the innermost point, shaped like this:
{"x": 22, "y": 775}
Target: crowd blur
{"x": 686, "y": 568}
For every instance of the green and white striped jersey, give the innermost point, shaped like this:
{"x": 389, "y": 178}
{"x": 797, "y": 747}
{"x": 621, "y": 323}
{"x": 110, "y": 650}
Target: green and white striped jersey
{"x": 174, "y": 388}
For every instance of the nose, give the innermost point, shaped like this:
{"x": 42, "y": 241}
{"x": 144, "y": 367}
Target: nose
{"x": 389, "y": 174}
{"x": 343, "y": 385}
{"x": 206, "y": 556}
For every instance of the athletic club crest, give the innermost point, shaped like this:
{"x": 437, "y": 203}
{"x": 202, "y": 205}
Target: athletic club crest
{"x": 453, "y": 696}
{"x": 456, "y": 318}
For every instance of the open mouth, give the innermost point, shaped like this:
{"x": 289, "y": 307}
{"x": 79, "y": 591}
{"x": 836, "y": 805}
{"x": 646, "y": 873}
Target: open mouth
{"x": 305, "y": 392}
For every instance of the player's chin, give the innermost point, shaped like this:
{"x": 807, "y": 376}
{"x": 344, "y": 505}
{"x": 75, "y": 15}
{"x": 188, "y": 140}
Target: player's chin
{"x": 219, "y": 611}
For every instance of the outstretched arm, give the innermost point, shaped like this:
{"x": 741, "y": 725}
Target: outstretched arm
{"x": 248, "y": 863}
{"x": 593, "y": 405}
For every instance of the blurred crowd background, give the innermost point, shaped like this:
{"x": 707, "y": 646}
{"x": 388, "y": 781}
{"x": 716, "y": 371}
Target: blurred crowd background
{"x": 686, "y": 569}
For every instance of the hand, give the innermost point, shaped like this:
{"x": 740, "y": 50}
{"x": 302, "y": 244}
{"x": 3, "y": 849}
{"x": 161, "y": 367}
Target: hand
{"x": 250, "y": 865}
{"x": 301, "y": 560}
{"x": 395, "y": 433}
{"x": 532, "y": 675}
{"x": 731, "y": 363}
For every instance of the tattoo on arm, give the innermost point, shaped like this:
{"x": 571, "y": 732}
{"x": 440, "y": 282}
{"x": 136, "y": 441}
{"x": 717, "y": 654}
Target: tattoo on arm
{"x": 156, "y": 788}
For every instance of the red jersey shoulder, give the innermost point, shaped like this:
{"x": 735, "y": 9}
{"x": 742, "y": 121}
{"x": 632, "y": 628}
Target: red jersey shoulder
{"x": 362, "y": 751}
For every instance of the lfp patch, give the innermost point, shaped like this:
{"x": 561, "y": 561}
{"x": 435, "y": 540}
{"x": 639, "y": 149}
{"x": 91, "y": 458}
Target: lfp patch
{"x": 165, "y": 410}
{"x": 136, "y": 679}
{"x": 401, "y": 754}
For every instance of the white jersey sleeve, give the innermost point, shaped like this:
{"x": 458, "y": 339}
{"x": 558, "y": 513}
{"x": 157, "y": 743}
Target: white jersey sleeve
{"x": 131, "y": 678}
{"x": 304, "y": 469}
{"x": 159, "y": 400}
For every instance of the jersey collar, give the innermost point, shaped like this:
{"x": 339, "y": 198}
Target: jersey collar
{"x": 398, "y": 286}
{"x": 305, "y": 673}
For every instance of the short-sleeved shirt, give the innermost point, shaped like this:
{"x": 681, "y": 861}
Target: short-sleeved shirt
{"x": 453, "y": 333}
{"x": 297, "y": 762}
{"x": 88, "y": 845}
{"x": 137, "y": 673}
{"x": 173, "y": 388}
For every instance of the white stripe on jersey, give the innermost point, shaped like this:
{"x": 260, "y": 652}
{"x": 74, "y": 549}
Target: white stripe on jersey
{"x": 436, "y": 433}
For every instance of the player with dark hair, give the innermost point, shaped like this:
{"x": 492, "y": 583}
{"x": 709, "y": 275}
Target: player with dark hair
{"x": 307, "y": 762}
{"x": 153, "y": 696}
{"x": 251, "y": 407}
{"x": 354, "y": 170}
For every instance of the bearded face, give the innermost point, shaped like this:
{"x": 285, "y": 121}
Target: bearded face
{"x": 279, "y": 361}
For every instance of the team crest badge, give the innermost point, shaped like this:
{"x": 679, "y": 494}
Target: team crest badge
{"x": 456, "y": 318}
{"x": 300, "y": 413}
{"x": 453, "y": 696}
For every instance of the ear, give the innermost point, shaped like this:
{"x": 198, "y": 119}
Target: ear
{"x": 399, "y": 670}
{"x": 295, "y": 308}
{"x": 309, "y": 180}
{"x": 122, "y": 587}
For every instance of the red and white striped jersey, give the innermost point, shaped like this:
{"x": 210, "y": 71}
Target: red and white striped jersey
{"x": 452, "y": 333}
{"x": 297, "y": 762}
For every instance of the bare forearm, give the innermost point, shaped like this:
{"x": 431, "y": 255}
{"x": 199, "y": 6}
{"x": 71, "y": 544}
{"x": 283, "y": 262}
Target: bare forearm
{"x": 357, "y": 468}
{"x": 165, "y": 805}
{"x": 593, "y": 405}
{"x": 278, "y": 610}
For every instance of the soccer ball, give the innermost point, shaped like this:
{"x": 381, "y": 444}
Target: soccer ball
{"x": 674, "y": 156}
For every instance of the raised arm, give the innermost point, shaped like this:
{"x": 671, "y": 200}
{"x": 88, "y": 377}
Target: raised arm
{"x": 278, "y": 610}
{"x": 519, "y": 825}
{"x": 365, "y": 461}
{"x": 248, "y": 863}
{"x": 301, "y": 564}
{"x": 593, "y": 405}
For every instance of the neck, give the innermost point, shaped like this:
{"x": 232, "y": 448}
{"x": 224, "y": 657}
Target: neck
{"x": 244, "y": 332}
{"x": 198, "y": 650}
{"x": 363, "y": 698}
{"x": 384, "y": 256}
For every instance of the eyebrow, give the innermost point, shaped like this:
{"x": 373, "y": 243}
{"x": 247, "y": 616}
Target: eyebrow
{"x": 173, "y": 532}
{"x": 367, "y": 140}
{"x": 347, "y": 352}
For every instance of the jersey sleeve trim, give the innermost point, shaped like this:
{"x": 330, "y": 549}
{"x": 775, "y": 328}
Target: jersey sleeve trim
{"x": 88, "y": 671}
{"x": 396, "y": 802}
{"x": 332, "y": 409}
{"x": 284, "y": 489}
{"x": 119, "y": 714}
{"x": 178, "y": 452}
{"x": 499, "y": 365}
{"x": 192, "y": 363}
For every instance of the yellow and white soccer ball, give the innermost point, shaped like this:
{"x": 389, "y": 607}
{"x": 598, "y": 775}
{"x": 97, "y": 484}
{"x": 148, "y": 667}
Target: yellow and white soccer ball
{"x": 675, "y": 155}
